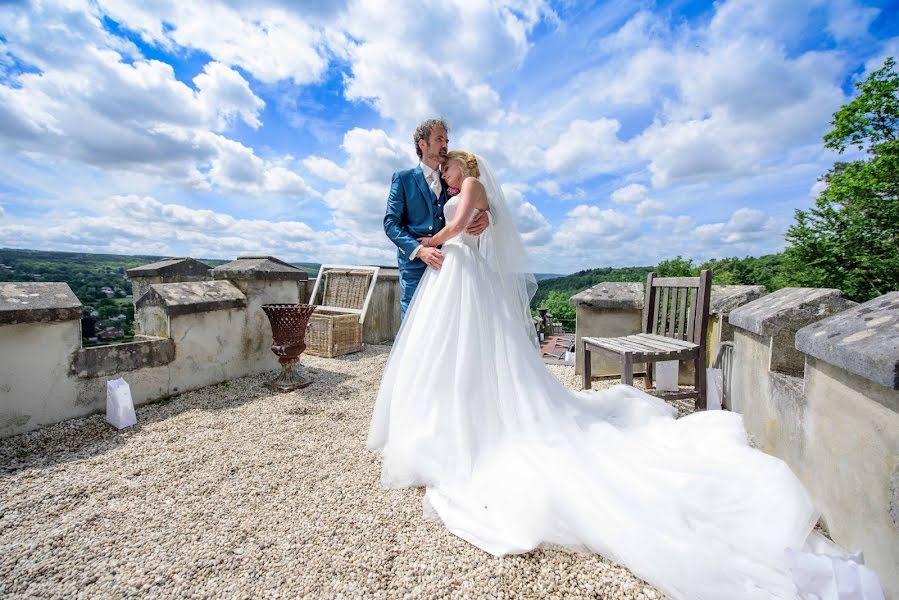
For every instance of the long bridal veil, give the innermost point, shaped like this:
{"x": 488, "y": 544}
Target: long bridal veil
{"x": 503, "y": 248}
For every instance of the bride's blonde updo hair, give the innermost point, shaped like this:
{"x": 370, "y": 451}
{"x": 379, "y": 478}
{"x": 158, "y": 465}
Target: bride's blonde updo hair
{"x": 469, "y": 162}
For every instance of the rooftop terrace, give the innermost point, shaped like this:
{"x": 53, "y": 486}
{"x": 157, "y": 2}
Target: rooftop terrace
{"x": 225, "y": 489}
{"x": 231, "y": 490}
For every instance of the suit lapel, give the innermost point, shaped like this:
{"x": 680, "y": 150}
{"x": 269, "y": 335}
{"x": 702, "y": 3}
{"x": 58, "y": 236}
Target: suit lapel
{"x": 425, "y": 190}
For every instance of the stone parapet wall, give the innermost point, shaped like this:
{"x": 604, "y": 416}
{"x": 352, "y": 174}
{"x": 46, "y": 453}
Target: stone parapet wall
{"x": 724, "y": 299}
{"x": 383, "y": 319}
{"x": 204, "y": 330}
{"x": 100, "y": 361}
{"x": 36, "y": 385}
{"x": 815, "y": 378}
{"x": 779, "y": 315}
{"x": 202, "y": 338}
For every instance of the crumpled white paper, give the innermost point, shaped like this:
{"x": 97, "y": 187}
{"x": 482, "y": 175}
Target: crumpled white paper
{"x": 823, "y": 572}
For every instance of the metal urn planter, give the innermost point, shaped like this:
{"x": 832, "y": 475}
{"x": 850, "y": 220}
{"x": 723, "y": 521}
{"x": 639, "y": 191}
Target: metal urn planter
{"x": 289, "y": 324}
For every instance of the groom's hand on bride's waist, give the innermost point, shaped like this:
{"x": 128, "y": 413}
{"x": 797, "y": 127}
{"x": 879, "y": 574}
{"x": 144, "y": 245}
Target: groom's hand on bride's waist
{"x": 431, "y": 257}
{"x": 479, "y": 224}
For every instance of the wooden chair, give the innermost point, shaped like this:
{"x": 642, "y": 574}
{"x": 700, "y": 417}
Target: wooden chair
{"x": 675, "y": 325}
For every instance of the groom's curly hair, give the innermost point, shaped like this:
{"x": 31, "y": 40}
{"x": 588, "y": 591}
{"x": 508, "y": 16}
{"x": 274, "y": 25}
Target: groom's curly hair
{"x": 423, "y": 132}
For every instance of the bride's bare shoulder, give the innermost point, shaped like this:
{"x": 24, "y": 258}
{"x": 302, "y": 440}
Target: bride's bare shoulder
{"x": 470, "y": 181}
{"x": 474, "y": 187}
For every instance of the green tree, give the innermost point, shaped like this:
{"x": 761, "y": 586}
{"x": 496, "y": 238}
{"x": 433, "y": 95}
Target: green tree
{"x": 558, "y": 306}
{"x": 676, "y": 267}
{"x": 107, "y": 312}
{"x": 849, "y": 240}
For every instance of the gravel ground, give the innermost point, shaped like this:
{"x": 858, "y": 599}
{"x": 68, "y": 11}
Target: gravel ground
{"x": 233, "y": 491}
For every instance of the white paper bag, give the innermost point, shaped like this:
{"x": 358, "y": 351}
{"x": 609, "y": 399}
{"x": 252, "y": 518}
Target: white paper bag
{"x": 714, "y": 387}
{"x": 119, "y": 406}
{"x": 666, "y": 375}
{"x": 827, "y": 577}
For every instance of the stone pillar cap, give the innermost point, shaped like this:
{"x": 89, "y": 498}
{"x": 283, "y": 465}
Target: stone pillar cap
{"x": 863, "y": 340}
{"x": 193, "y": 297}
{"x": 726, "y": 298}
{"x": 619, "y": 295}
{"x": 788, "y": 309}
{"x": 258, "y": 267}
{"x": 183, "y": 265}
{"x": 37, "y": 302}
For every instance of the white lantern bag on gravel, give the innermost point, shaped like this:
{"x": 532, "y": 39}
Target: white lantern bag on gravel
{"x": 119, "y": 406}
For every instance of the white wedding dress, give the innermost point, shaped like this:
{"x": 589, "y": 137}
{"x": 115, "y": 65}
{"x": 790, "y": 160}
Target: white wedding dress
{"x": 512, "y": 460}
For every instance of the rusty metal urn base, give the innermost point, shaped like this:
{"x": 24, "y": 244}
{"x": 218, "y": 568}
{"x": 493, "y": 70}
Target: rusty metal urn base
{"x": 289, "y": 323}
{"x": 289, "y": 379}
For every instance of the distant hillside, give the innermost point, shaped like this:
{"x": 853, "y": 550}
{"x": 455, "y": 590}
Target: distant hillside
{"x": 768, "y": 270}
{"x": 542, "y": 276}
{"x": 85, "y": 273}
{"x": 9, "y": 255}
{"x": 576, "y": 282}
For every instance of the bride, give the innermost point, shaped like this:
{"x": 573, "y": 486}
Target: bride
{"x": 513, "y": 460}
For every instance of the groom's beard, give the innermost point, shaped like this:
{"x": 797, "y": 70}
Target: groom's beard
{"x": 439, "y": 156}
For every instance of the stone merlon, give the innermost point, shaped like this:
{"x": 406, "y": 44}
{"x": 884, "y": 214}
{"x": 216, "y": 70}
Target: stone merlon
{"x": 863, "y": 340}
{"x": 788, "y": 309}
{"x": 624, "y": 296}
{"x": 171, "y": 267}
{"x": 27, "y": 302}
{"x": 259, "y": 267}
{"x": 102, "y": 361}
{"x": 726, "y": 298}
{"x": 193, "y": 297}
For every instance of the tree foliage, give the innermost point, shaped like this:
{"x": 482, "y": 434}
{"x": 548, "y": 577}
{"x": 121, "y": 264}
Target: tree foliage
{"x": 558, "y": 305}
{"x": 849, "y": 240}
{"x": 570, "y": 285}
{"x": 676, "y": 267}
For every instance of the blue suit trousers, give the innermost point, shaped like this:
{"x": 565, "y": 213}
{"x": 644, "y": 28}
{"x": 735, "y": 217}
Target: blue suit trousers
{"x": 409, "y": 278}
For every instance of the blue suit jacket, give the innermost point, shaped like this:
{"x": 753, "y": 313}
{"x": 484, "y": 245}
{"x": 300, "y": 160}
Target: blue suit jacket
{"x": 412, "y": 212}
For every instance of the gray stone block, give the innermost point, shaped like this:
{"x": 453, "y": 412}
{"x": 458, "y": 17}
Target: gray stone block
{"x": 171, "y": 267}
{"x": 863, "y": 340}
{"x": 193, "y": 297}
{"x": 37, "y": 302}
{"x": 258, "y": 267}
{"x": 726, "y": 298}
{"x": 101, "y": 361}
{"x": 617, "y": 295}
{"x": 788, "y": 309}
{"x": 779, "y": 315}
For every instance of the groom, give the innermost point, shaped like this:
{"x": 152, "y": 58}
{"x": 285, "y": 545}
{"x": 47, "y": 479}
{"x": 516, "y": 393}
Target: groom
{"x": 415, "y": 208}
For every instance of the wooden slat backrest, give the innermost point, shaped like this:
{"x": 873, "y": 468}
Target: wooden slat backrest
{"x": 704, "y": 295}
{"x": 678, "y": 307}
{"x": 682, "y": 312}
{"x": 663, "y": 318}
{"x": 692, "y": 325}
{"x": 650, "y": 305}
{"x": 672, "y": 320}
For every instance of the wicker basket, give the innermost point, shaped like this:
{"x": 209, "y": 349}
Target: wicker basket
{"x": 334, "y": 332}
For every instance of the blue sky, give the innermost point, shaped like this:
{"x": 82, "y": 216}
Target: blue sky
{"x": 624, "y": 133}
